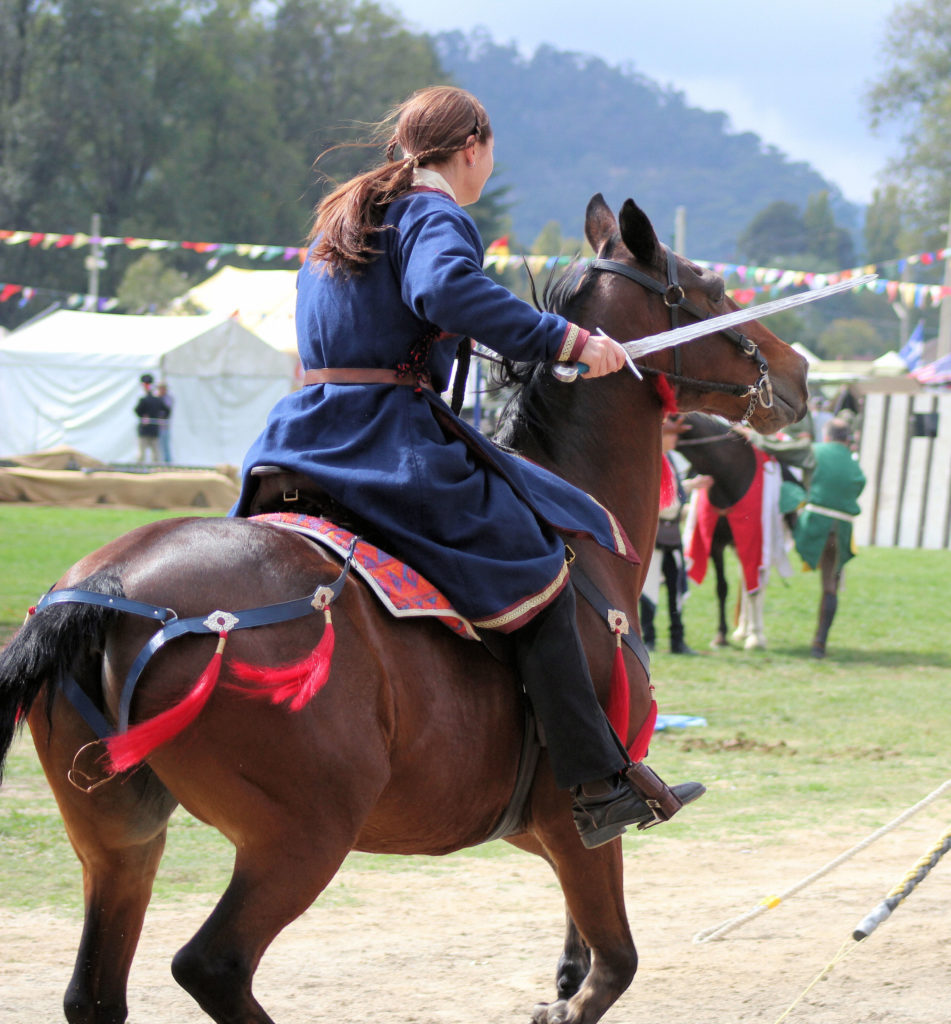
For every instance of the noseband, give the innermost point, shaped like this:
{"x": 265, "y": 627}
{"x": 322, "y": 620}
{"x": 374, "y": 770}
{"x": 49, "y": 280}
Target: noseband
{"x": 676, "y": 300}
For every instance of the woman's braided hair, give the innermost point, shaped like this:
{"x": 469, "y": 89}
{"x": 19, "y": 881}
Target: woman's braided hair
{"x": 429, "y": 127}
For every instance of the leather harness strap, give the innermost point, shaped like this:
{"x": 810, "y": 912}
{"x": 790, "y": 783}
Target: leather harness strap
{"x": 363, "y": 375}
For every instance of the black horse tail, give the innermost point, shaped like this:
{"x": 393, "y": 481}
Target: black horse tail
{"x": 59, "y": 639}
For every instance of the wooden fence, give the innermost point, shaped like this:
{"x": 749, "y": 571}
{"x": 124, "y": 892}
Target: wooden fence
{"x": 905, "y": 453}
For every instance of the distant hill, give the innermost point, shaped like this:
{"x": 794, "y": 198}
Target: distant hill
{"x": 568, "y": 125}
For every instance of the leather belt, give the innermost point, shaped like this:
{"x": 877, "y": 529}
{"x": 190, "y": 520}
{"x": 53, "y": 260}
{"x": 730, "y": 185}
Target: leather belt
{"x": 363, "y": 375}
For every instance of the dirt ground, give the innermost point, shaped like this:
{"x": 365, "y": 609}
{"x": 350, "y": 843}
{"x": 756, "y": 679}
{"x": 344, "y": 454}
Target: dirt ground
{"x": 474, "y": 941}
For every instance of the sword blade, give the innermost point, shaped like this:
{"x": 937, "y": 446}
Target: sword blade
{"x": 680, "y": 335}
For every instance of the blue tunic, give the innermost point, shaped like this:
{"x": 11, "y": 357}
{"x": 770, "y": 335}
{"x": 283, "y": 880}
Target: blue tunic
{"x": 476, "y": 521}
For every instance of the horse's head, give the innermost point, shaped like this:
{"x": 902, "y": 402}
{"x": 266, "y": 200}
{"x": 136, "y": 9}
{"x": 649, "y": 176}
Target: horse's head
{"x": 636, "y": 286}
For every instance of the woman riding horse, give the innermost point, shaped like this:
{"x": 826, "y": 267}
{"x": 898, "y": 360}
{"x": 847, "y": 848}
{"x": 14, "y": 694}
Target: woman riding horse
{"x": 373, "y": 760}
{"x": 392, "y": 282}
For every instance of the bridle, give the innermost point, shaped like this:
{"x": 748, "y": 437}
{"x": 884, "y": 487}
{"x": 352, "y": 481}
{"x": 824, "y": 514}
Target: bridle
{"x": 676, "y": 300}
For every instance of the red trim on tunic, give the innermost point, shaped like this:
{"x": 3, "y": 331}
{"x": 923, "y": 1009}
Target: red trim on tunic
{"x": 746, "y": 524}
{"x": 572, "y": 344}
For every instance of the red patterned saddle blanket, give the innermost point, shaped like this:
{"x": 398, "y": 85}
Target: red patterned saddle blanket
{"x": 402, "y": 590}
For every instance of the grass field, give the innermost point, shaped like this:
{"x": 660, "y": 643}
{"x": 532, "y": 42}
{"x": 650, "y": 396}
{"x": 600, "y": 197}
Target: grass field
{"x": 790, "y": 742}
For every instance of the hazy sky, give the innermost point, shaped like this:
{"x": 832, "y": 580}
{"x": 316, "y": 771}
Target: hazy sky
{"x": 794, "y": 73}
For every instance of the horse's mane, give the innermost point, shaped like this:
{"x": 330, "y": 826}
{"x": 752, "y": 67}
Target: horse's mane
{"x": 523, "y": 412}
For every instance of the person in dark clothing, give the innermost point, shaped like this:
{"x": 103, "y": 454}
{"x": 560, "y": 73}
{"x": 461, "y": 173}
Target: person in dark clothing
{"x": 667, "y": 562}
{"x": 393, "y": 281}
{"x": 151, "y": 411}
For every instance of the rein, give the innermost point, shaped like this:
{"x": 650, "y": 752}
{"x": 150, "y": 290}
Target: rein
{"x": 676, "y": 300}
{"x": 691, "y": 442}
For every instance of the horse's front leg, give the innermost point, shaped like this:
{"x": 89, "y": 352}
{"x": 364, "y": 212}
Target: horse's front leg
{"x": 592, "y": 881}
{"x": 575, "y": 960}
{"x": 599, "y": 960}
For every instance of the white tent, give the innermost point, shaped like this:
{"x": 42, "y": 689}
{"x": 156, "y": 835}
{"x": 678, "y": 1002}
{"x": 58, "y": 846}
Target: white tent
{"x": 72, "y": 379}
{"x": 262, "y": 300}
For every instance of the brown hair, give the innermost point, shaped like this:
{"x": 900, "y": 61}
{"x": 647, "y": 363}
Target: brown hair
{"x": 430, "y": 126}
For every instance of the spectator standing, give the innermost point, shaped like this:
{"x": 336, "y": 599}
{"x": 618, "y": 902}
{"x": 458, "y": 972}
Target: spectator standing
{"x": 165, "y": 438}
{"x": 151, "y": 410}
{"x": 823, "y": 531}
{"x": 668, "y": 558}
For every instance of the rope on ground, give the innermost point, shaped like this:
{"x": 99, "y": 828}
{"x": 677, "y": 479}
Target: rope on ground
{"x": 904, "y": 888}
{"x": 844, "y": 950}
{"x": 706, "y": 934}
{"x": 880, "y": 913}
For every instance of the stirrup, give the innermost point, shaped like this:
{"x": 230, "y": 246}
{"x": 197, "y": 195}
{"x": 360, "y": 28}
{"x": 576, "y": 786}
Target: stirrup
{"x": 659, "y": 797}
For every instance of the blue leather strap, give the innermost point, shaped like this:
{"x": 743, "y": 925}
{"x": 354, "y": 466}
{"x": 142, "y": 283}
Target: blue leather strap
{"x": 215, "y": 623}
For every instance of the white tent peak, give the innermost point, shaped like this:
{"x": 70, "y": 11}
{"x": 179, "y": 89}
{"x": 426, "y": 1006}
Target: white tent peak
{"x": 263, "y": 300}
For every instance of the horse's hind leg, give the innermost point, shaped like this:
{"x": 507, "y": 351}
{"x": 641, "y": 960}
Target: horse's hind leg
{"x": 272, "y": 884}
{"x": 755, "y": 621}
{"x": 118, "y": 833}
{"x": 716, "y": 556}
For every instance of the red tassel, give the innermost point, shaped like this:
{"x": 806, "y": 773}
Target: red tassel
{"x": 298, "y": 683}
{"x": 129, "y": 748}
{"x": 638, "y": 749}
{"x": 668, "y": 400}
{"x": 668, "y": 488}
{"x": 619, "y": 702}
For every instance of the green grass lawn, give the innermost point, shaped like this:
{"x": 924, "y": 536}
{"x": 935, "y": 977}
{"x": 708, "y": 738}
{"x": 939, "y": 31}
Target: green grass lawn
{"x": 846, "y": 743}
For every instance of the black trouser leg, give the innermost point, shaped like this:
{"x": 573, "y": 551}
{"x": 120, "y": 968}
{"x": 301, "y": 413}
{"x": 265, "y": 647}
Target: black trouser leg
{"x": 553, "y": 667}
{"x": 646, "y": 609}
{"x": 670, "y": 567}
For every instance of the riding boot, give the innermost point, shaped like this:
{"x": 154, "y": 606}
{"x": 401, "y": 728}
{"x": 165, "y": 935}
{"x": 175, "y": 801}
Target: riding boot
{"x": 586, "y": 755}
{"x": 646, "y": 610}
{"x": 678, "y": 645}
{"x": 673, "y": 566}
{"x": 827, "y": 609}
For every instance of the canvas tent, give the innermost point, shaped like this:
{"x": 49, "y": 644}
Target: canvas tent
{"x": 72, "y": 378}
{"x": 263, "y": 300}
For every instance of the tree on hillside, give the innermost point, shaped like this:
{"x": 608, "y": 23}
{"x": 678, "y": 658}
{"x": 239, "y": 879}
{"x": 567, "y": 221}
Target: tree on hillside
{"x": 913, "y": 91}
{"x": 568, "y": 125}
{"x": 774, "y": 235}
{"x": 337, "y": 67}
{"x": 850, "y": 338}
{"x": 185, "y": 119}
{"x": 783, "y": 235}
{"x": 883, "y": 231}
{"x": 830, "y": 244}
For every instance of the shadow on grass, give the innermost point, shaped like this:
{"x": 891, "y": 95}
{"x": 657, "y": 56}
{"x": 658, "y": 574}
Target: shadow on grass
{"x": 840, "y": 655}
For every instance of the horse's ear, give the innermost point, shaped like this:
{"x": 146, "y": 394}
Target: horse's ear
{"x": 600, "y": 224}
{"x": 638, "y": 233}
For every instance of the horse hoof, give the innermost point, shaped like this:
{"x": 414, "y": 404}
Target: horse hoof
{"x": 550, "y": 1013}
{"x": 754, "y": 643}
{"x": 719, "y": 640}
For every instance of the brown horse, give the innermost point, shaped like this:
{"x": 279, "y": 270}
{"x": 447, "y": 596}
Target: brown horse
{"x": 413, "y": 744}
{"x": 713, "y": 448}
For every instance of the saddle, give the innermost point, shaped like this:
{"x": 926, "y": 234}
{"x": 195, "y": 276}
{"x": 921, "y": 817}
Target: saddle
{"x": 283, "y": 490}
